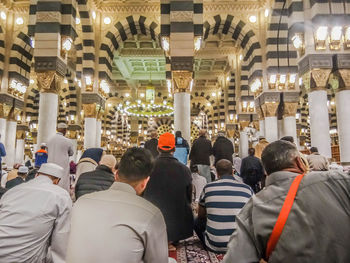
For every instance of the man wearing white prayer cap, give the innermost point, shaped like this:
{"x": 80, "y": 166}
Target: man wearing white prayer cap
{"x": 35, "y": 219}
{"x": 59, "y": 149}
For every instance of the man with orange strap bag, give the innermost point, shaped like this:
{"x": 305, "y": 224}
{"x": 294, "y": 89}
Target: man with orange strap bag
{"x": 296, "y": 217}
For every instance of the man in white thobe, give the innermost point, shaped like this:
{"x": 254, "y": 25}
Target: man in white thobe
{"x": 35, "y": 219}
{"x": 59, "y": 150}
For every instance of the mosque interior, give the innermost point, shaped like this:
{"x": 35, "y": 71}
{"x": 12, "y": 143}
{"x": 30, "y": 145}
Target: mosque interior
{"x": 113, "y": 70}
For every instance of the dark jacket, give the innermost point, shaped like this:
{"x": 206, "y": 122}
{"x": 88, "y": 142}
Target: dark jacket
{"x": 98, "y": 180}
{"x": 252, "y": 171}
{"x": 223, "y": 149}
{"x": 170, "y": 189}
{"x": 31, "y": 175}
{"x": 201, "y": 151}
{"x": 15, "y": 181}
{"x": 152, "y": 146}
{"x": 182, "y": 149}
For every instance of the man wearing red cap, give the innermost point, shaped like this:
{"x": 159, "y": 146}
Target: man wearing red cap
{"x": 170, "y": 189}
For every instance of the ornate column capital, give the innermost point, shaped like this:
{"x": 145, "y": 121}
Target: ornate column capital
{"x": 90, "y": 110}
{"x": 182, "y": 81}
{"x": 49, "y": 81}
{"x": 270, "y": 109}
{"x": 319, "y": 79}
{"x": 260, "y": 113}
{"x": 20, "y": 134}
{"x": 344, "y": 79}
{"x": 2, "y": 114}
{"x": 11, "y": 115}
{"x": 290, "y": 109}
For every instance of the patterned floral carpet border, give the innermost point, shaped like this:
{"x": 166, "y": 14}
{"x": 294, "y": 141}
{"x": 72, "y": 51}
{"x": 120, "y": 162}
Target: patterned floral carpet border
{"x": 192, "y": 251}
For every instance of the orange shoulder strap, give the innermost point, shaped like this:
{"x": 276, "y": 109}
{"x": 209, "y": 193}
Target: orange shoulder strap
{"x": 283, "y": 216}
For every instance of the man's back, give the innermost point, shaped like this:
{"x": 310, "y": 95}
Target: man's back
{"x": 28, "y": 214}
{"x": 252, "y": 170}
{"x": 317, "y": 229}
{"x": 201, "y": 151}
{"x": 117, "y": 226}
{"x": 98, "y": 180}
{"x": 40, "y": 157}
{"x": 317, "y": 162}
{"x": 223, "y": 200}
{"x": 13, "y": 182}
{"x": 152, "y": 146}
{"x": 223, "y": 149}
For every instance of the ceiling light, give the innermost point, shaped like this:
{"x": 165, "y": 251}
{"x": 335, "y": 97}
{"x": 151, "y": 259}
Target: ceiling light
{"x": 77, "y": 20}
{"x": 67, "y": 44}
{"x": 245, "y": 104}
{"x": 273, "y": 79}
{"x": 283, "y": 79}
{"x": 107, "y": 20}
{"x": 208, "y": 104}
{"x": 31, "y": 81}
{"x": 213, "y": 94}
{"x": 3, "y": 15}
{"x": 297, "y": 41}
{"x": 88, "y": 80}
{"x": 252, "y": 19}
{"x": 19, "y": 21}
{"x": 65, "y": 81}
{"x": 267, "y": 11}
{"x": 197, "y": 43}
{"x": 93, "y": 15}
{"x": 165, "y": 44}
{"x": 347, "y": 37}
{"x": 240, "y": 57}
{"x": 336, "y": 33}
{"x": 322, "y": 33}
{"x": 142, "y": 95}
{"x": 127, "y": 95}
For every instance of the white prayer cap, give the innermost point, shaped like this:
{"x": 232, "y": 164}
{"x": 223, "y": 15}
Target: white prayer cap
{"x": 51, "y": 169}
{"x": 62, "y": 125}
{"x": 43, "y": 144}
{"x": 23, "y": 169}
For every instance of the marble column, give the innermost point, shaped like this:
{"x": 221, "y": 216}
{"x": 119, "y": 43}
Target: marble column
{"x": 289, "y": 120}
{"x": 182, "y": 114}
{"x": 90, "y": 123}
{"x": 10, "y": 145}
{"x": 182, "y": 102}
{"x": 3, "y": 130}
{"x": 75, "y": 145}
{"x": 2, "y": 125}
{"x": 98, "y": 133}
{"x": 262, "y": 127}
{"x": 19, "y": 151}
{"x": 90, "y": 133}
{"x": 48, "y": 106}
{"x": 343, "y": 110}
{"x": 271, "y": 124}
{"x": 280, "y": 128}
{"x": 318, "y": 111}
{"x": 243, "y": 144}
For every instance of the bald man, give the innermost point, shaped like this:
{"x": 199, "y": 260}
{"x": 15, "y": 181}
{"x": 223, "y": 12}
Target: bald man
{"x": 99, "y": 179}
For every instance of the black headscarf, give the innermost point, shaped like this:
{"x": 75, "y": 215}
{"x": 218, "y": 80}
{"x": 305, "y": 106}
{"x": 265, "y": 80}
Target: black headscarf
{"x": 93, "y": 153}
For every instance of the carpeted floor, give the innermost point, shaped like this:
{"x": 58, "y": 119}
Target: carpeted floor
{"x": 191, "y": 251}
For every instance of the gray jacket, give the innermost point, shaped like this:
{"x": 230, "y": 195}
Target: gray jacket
{"x": 117, "y": 226}
{"x": 317, "y": 229}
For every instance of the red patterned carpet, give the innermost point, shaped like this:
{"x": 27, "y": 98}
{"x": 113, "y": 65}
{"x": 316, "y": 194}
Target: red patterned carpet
{"x": 191, "y": 251}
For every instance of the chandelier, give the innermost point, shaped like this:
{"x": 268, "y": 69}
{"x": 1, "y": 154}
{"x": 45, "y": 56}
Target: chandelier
{"x": 146, "y": 106}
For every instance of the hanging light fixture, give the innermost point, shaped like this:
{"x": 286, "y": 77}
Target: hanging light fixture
{"x": 347, "y": 38}
{"x": 165, "y": 44}
{"x": 298, "y": 43}
{"x": 336, "y": 38}
{"x": 321, "y": 37}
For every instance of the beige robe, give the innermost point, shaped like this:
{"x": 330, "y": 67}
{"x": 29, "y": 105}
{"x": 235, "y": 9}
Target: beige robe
{"x": 59, "y": 150}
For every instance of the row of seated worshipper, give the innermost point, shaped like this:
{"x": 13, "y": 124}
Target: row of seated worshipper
{"x": 147, "y": 209}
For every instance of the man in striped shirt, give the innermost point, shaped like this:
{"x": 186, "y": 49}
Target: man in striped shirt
{"x": 219, "y": 204}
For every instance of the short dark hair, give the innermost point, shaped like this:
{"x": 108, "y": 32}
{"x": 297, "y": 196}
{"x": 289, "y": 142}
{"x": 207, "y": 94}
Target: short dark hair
{"x": 278, "y": 156}
{"x": 136, "y": 164}
{"x": 251, "y": 151}
{"x": 223, "y": 167}
{"x": 313, "y": 149}
{"x": 178, "y": 134}
{"x": 194, "y": 168}
{"x": 166, "y": 151}
{"x": 288, "y": 139}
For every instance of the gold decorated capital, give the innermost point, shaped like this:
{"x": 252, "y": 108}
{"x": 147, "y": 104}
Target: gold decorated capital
{"x": 90, "y": 110}
{"x": 290, "y": 109}
{"x": 260, "y": 113}
{"x": 20, "y": 134}
{"x": 73, "y": 135}
{"x": 269, "y": 109}
{"x": 182, "y": 81}
{"x": 2, "y": 113}
{"x": 345, "y": 79}
{"x": 49, "y": 81}
{"x": 319, "y": 78}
